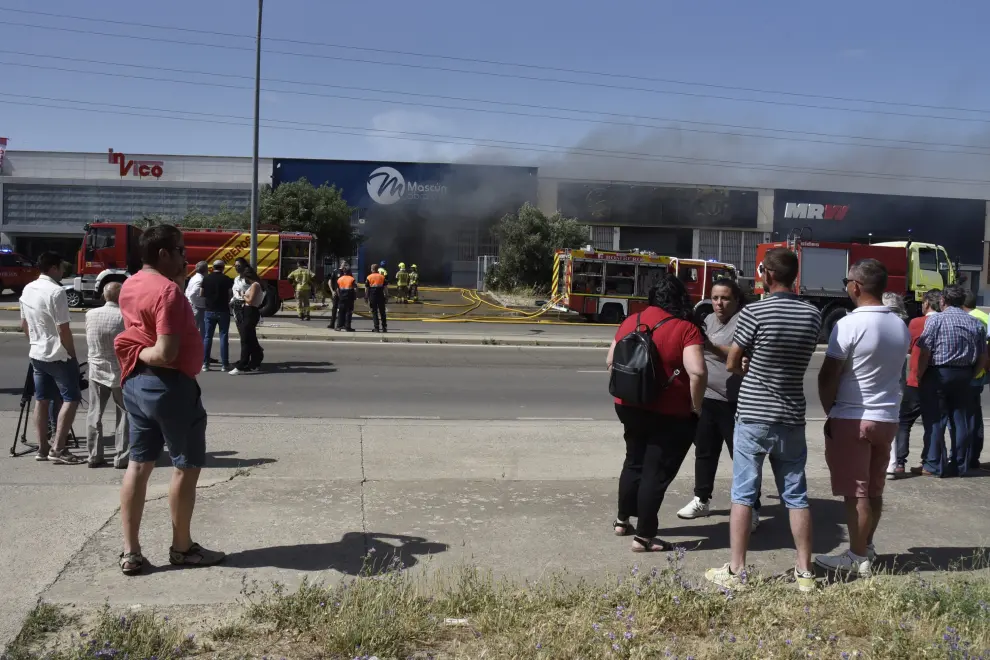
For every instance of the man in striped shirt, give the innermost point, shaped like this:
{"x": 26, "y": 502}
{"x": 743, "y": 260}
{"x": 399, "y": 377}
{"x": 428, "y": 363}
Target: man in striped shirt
{"x": 953, "y": 353}
{"x": 774, "y": 341}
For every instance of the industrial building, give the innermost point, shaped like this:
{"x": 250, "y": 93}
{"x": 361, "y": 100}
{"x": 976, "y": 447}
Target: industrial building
{"x": 439, "y": 215}
{"x": 46, "y": 197}
{"x": 436, "y": 215}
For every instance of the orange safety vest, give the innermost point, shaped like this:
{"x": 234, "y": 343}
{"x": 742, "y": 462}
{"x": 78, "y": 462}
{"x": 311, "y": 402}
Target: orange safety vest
{"x": 376, "y": 280}
{"x": 346, "y": 282}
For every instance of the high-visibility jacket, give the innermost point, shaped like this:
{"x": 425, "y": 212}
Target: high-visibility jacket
{"x": 302, "y": 278}
{"x": 402, "y": 278}
{"x": 346, "y": 282}
{"x": 383, "y": 273}
{"x": 413, "y": 277}
{"x": 375, "y": 281}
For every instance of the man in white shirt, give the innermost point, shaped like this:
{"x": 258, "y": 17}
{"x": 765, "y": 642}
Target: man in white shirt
{"x": 103, "y": 324}
{"x": 45, "y": 322}
{"x": 860, "y": 389}
{"x": 194, "y": 294}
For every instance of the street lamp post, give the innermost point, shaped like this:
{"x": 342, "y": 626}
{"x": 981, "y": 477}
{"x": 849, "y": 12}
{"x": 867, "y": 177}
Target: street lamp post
{"x": 254, "y": 155}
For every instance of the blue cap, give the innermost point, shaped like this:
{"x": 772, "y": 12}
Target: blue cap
{"x": 382, "y": 263}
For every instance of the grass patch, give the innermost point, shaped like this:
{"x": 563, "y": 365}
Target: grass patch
{"x": 111, "y": 635}
{"x": 654, "y": 613}
{"x": 43, "y": 620}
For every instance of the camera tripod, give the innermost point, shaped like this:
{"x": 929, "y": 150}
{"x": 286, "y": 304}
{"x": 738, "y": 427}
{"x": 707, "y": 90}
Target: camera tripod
{"x": 24, "y": 418}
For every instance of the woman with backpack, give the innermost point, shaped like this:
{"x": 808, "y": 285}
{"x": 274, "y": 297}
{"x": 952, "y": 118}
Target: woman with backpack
{"x": 718, "y": 412}
{"x": 658, "y": 378}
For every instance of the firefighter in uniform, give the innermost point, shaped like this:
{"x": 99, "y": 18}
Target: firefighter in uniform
{"x": 335, "y": 293}
{"x": 375, "y": 288}
{"x": 402, "y": 282}
{"x": 347, "y": 291}
{"x": 414, "y": 284}
{"x": 382, "y": 271}
{"x": 302, "y": 278}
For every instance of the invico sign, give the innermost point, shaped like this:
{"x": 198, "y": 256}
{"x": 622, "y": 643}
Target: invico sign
{"x": 386, "y": 185}
{"x": 138, "y": 168}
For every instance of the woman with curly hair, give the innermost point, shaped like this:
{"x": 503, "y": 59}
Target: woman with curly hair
{"x": 659, "y": 434}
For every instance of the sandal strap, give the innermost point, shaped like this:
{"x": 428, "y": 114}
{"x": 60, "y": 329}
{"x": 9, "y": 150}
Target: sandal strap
{"x": 136, "y": 559}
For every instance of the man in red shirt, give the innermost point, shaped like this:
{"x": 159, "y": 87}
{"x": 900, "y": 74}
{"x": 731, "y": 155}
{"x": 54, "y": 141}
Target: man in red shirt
{"x": 160, "y": 353}
{"x": 911, "y": 403}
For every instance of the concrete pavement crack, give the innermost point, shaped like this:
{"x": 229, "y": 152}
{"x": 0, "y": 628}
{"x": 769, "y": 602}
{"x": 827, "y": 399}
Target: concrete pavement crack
{"x": 364, "y": 480}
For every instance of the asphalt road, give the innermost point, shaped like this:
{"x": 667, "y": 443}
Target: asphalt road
{"x": 317, "y": 379}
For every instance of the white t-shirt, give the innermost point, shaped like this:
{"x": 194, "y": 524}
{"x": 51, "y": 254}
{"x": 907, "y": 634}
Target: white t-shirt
{"x": 873, "y": 343}
{"x": 192, "y": 292}
{"x": 44, "y": 307}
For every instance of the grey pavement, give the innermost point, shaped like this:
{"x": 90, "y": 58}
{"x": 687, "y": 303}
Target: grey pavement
{"x": 311, "y": 466}
{"x": 385, "y": 380}
{"x": 406, "y": 331}
{"x": 295, "y": 498}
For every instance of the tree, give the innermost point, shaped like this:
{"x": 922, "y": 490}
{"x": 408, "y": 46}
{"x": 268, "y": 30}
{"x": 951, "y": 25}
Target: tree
{"x": 299, "y": 206}
{"x": 223, "y": 219}
{"x": 527, "y": 240}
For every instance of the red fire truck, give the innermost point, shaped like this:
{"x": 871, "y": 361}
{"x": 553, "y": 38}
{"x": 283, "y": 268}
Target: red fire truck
{"x": 913, "y": 270}
{"x": 15, "y": 271}
{"x": 608, "y": 286}
{"x": 110, "y": 253}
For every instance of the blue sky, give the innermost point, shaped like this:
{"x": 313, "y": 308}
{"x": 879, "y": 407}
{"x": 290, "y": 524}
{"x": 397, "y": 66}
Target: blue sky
{"x": 906, "y": 52}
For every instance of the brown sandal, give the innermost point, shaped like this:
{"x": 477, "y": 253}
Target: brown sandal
{"x": 196, "y": 555}
{"x": 623, "y": 527}
{"x": 132, "y": 563}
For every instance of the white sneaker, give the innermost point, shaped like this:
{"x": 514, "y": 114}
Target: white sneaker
{"x": 845, "y": 562}
{"x": 694, "y": 509}
{"x": 755, "y": 524}
{"x": 205, "y": 368}
{"x": 234, "y": 372}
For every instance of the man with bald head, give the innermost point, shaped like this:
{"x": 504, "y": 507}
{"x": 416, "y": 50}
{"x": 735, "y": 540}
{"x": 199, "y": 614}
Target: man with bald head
{"x": 103, "y": 324}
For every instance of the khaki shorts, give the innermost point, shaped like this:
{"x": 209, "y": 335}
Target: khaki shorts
{"x": 857, "y": 452}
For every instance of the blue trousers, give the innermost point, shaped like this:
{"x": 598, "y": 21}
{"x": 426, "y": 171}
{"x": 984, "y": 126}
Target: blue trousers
{"x": 947, "y": 405}
{"x": 216, "y": 320}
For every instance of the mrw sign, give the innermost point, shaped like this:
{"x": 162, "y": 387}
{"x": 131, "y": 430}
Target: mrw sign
{"x": 815, "y": 211}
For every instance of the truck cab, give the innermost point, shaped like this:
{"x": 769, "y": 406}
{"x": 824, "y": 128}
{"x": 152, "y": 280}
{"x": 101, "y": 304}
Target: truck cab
{"x": 110, "y": 252}
{"x": 929, "y": 268}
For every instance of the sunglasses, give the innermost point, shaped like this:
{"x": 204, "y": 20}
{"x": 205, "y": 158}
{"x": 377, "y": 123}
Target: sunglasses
{"x": 846, "y": 281}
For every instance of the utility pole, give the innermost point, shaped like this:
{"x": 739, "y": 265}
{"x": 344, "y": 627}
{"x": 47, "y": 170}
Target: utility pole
{"x": 254, "y": 156}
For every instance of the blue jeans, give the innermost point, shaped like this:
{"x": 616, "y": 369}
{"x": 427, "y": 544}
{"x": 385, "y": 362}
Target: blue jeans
{"x": 213, "y": 321}
{"x": 164, "y": 408}
{"x": 977, "y": 447}
{"x": 947, "y": 405}
{"x": 787, "y": 448}
{"x": 199, "y": 316}
{"x": 53, "y": 380}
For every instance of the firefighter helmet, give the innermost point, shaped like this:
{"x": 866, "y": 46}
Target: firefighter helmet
{"x": 414, "y": 266}
{"x": 402, "y": 265}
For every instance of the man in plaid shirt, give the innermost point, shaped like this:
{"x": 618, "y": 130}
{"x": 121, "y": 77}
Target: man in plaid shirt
{"x": 953, "y": 352}
{"x": 103, "y": 324}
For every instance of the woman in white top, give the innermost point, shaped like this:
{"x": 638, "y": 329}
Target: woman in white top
{"x": 248, "y": 296}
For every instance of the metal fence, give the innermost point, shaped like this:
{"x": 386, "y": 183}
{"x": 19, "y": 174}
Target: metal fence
{"x": 485, "y": 262}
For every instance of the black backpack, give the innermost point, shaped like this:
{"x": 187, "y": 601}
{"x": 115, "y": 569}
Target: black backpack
{"x": 636, "y": 372}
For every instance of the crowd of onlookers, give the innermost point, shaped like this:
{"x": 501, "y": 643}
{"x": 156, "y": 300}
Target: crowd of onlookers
{"x": 146, "y": 346}
{"x": 738, "y": 379}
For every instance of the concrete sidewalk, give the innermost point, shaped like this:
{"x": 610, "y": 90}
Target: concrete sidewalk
{"x": 309, "y": 498}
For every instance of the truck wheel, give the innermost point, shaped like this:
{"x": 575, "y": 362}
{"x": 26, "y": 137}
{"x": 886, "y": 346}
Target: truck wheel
{"x": 271, "y": 304}
{"x": 74, "y": 298}
{"x": 832, "y": 317}
{"x": 611, "y": 313}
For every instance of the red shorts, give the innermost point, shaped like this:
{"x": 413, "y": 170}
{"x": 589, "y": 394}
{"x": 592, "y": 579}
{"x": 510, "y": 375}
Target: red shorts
{"x": 857, "y": 454}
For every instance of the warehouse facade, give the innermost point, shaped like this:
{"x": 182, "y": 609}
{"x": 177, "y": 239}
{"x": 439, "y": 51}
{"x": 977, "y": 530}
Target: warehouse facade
{"x": 46, "y": 197}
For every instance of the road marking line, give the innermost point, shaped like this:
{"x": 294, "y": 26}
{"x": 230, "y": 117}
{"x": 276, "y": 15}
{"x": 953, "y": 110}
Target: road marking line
{"x": 400, "y": 417}
{"x": 230, "y": 414}
{"x": 555, "y": 419}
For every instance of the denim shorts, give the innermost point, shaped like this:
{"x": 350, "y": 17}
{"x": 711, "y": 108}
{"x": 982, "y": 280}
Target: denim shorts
{"x": 165, "y": 409}
{"x": 787, "y": 448}
{"x": 56, "y": 379}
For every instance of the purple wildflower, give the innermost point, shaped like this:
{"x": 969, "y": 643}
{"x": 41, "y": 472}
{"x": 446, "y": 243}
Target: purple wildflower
{"x": 615, "y": 647}
{"x": 628, "y": 636}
